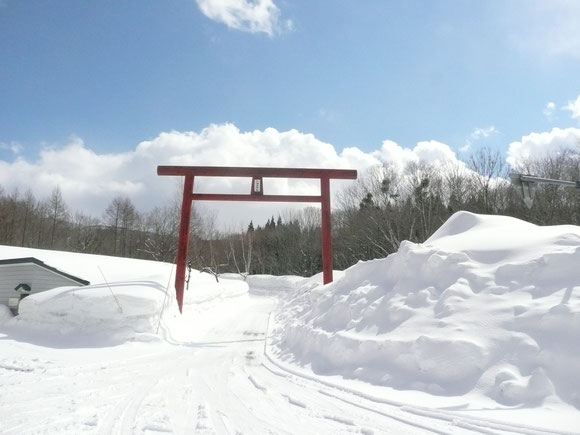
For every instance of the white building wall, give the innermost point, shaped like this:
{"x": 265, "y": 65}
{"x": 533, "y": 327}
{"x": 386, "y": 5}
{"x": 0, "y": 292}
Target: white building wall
{"x": 38, "y": 278}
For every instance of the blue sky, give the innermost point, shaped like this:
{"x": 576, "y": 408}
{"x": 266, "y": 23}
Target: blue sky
{"x": 113, "y": 74}
{"x": 352, "y": 73}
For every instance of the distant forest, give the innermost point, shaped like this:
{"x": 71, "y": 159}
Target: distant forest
{"x": 384, "y": 207}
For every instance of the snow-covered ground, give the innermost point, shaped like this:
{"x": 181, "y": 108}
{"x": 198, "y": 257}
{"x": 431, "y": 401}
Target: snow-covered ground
{"x": 475, "y": 331}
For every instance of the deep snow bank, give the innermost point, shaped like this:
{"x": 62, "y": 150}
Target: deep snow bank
{"x": 96, "y": 315}
{"x": 205, "y": 288}
{"x": 270, "y": 284}
{"x": 5, "y": 313}
{"x": 127, "y": 300}
{"x": 489, "y": 304}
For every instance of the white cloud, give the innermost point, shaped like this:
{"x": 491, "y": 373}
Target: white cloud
{"x": 14, "y": 147}
{"x": 434, "y": 152}
{"x": 549, "y": 109}
{"x": 89, "y": 181}
{"x": 396, "y": 156}
{"x": 574, "y": 108}
{"x": 478, "y": 134}
{"x": 252, "y": 16}
{"x": 536, "y": 145}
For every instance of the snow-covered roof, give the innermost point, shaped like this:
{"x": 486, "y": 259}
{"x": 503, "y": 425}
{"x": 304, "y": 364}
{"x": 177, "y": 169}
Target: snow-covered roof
{"x": 36, "y": 261}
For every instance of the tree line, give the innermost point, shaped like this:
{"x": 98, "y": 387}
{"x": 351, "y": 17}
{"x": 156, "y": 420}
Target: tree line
{"x": 384, "y": 207}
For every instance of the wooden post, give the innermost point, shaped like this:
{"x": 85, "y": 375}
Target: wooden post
{"x": 326, "y": 230}
{"x": 183, "y": 241}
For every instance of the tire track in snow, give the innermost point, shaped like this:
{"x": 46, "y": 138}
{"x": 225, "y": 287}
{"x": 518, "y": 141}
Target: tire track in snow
{"x": 397, "y": 410}
{"x": 303, "y": 382}
{"x": 167, "y": 403}
{"x": 121, "y": 419}
{"x": 253, "y": 385}
{"x": 224, "y": 384}
{"x": 90, "y": 388}
{"x": 327, "y": 406}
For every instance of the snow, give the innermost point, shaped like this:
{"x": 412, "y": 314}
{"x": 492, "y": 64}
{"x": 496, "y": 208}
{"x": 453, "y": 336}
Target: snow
{"x": 475, "y": 330}
{"x": 487, "y": 308}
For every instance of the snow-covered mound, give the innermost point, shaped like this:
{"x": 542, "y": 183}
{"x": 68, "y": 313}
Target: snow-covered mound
{"x": 5, "y": 313}
{"x": 126, "y": 310}
{"x": 265, "y": 284}
{"x": 127, "y": 300}
{"x": 205, "y": 288}
{"x": 488, "y": 305}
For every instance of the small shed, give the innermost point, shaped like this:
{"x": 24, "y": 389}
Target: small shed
{"x": 20, "y": 277}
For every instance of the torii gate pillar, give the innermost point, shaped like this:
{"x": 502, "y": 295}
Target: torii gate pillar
{"x": 256, "y": 194}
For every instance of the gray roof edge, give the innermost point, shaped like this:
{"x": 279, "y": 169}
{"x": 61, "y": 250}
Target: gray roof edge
{"x": 36, "y": 261}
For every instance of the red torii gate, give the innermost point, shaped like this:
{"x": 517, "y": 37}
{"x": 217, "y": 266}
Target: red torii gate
{"x": 256, "y": 194}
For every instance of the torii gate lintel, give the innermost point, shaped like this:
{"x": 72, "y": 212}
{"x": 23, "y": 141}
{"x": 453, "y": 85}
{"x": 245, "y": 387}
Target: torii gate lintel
{"x": 256, "y": 194}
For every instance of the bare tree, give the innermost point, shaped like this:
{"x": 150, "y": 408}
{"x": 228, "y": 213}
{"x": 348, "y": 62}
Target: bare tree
{"x": 85, "y": 234}
{"x": 490, "y": 166}
{"x": 58, "y": 212}
{"x": 28, "y": 206}
{"x": 121, "y": 216}
{"x": 8, "y": 217}
{"x": 161, "y": 226}
{"x": 457, "y": 185}
{"x": 245, "y": 249}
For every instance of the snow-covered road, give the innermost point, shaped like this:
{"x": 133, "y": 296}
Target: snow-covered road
{"x": 474, "y": 331}
{"x": 213, "y": 378}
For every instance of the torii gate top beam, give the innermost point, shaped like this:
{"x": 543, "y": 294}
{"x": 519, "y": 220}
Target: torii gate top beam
{"x": 256, "y": 194}
{"x": 225, "y": 171}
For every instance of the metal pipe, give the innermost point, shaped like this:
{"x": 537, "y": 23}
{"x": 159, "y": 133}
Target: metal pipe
{"x": 534, "y": 179}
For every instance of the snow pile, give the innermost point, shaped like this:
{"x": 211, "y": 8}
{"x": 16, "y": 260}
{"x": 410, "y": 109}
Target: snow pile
{"x": 106, "y": 314}
{"x": 488, "y": 305}
{"x": 203, "y": 287}
{"x": 5, "y": 314}
{"x": 205, "y": 294}
{"x": 127, "y": 300}
{"x": 267, "y": 284}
